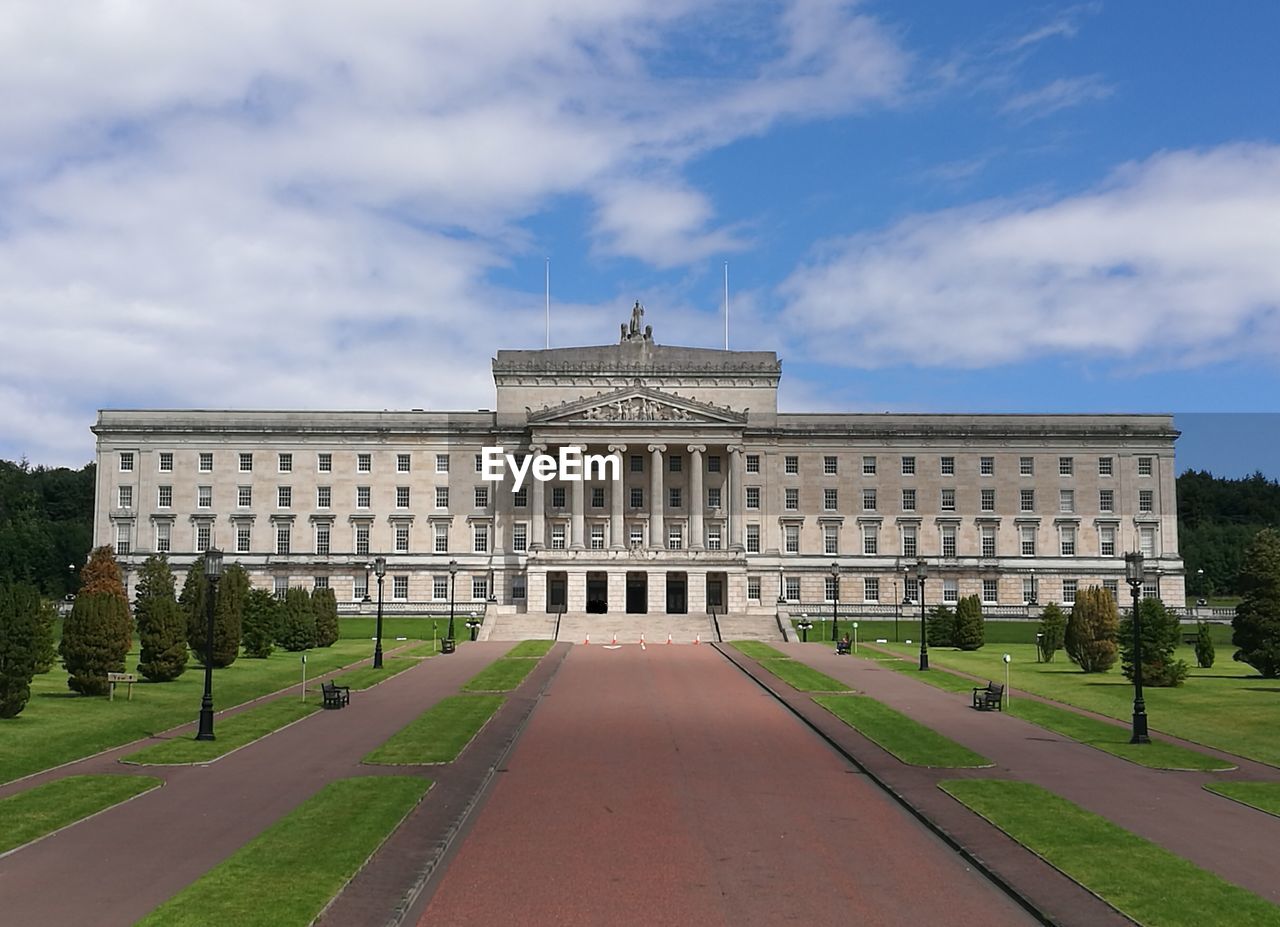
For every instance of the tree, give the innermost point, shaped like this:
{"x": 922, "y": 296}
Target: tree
{"x": 1090, "y": 638}
{"x": 46, "y": 637}
{"x": 194, "y": 601}
{"x": 1053, "y": 629}
{"x": 970, "y": 631}
{"x": 93, "y": 642}
{"x": 19, "y": 642}
{"x": 1204, "y": 646}
{"x": 298, "y": 621}
{"x": 1161, "y": 635}
{"x": 1256, "y": 626}
{"x": 325, "y": 604}
{"x": 101, "y": 576}
{"x": 261, "y": 623}
{"x": 941, "y": 626}
{"x": 162, "y": 627}
{"x": 228, "y": 615}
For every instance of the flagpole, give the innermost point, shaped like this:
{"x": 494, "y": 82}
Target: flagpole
{"x": 548, "y": 307}
{"x": 726, "y": 305}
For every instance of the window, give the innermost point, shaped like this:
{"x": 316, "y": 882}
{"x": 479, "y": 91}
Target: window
{"x": 204, "y": 536}
{"x": 988, "y": 500}
{"x": 1150, "y": 590}
{"x": 324, "y": 497}
{"x": 868, "y": 500}
{"x": 364, "y": 497}
{"x": 1107, "y": 541}
{"x": 753, "y": 539}
{"x": 987, "y": 466}
{"x": 320, "y": 582}
{"x": 244, "y": 497}
{"x": 166, "y": 461}
{"x": 163, "y": 529}
{"x": 1112, "y": 586}
{"x": 284, "y": 497}
{"x": 753, "y": 463}
{"x": 402, "y": 463}
{"x": 637, "y": 497}
{"x": 675, "y": 537}
{"x": 675, "y": 463}
{"x": 206, "y": 461}
{"x": 441, "y": 541}
{"x": 1067, "y": 540}
{"x": 635, "y": 535}
{"x": 1106, "y": 500}
{"x": 713, "y": 537}
{"x": 1066, "y": 501}
{"x": 597, "y": 537}
{"x": 283, "y": 538}
{"x": 1146, "y": 500}
{"x": 482, "y": 497}
{"x": 1027, "y": 500}
{"x": 1147, "y": 541}
{"x": 124, "y": 497}
{"x": 713, "y": 497}
{"x": 479, "y": 463}
{"x": 324, "y": 463}
{"x": 123, "y": 545}
{"x": 988, "y": 536}
{"x": 1069, "y": 587}
{"x": 829, "y": 465}
{"x": 164, "y": 497}
{"x": 870, "y": 540}
{"x": 518, "y": 588}
{"x": 830, "y": 588}
{"x": 442, "y": 463}
{"x": 753, "y": 588}
{"x": 947, "y": 466}
{"x": 637, "y": 463}
{"x": 908, "y": 500}
{"x": 831, "y": 539}
{"x": 557, "y": 536}
{"x": 479, "y": 588}
{"x": 829, "y": 500}
{"x": 520, "y": 498}
{"x": 399, "y": 587}
{"x": 791, "y": 589}
{"x": 322, "y": 539}
{"x": 713, "y": 463}
{"x": 204, "y": 497}
{"x": 557, "y": 497}
{"x": 990, "y": 591}
{"x": 1027, "y": 536}
{"x": 911, "y": 590}
{"x": 871, "y": 589}
{"x": 673, "y": 497}
{"x": 908, "y": 466}
{"x": 1066, "y": 466}
{"x": 280, "y": 586}
{"x": 753, "y": 497}
{"x": 1028, "y": 589}
{"x": 950, "y": 590}
{"x": 791, "y": 464}
{"x": 948, "y": 501}
{"x": 439, "y": 588}
{"x": 868, "y": 466}
{"x": 243, "y": 537}
{"x": 402, "y": 539}
{"x": 362, "y": 540}
{"x": 520, "y": 537}
{"x": 126, "y": 461}
{"x": 1105, "y": 466}
{"x": 1026, "y": 466}
{"x": 909, "y": 546}
{"x": 792, "y": 499}
{"x": 285, "y": 462}
{"x": 480, "y": 538}
{"x": 948, "y": 540}
{"x": 442, "y": 497}
{"x": 791, "y": 539}
{"x": 1144, "y": 466}
{"x": 597, "y": 497}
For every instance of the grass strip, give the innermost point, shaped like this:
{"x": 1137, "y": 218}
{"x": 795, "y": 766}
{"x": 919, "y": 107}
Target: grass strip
{"x": 802, "y": 677}
{"x": 42, "y": 810}
{"x": 439, "y": 734}
{"x": 530, "y": 650}
{"x": 757, "y": 651}
{"x": 232, "y": 733}
{"x": 938, "y": 678}
{"x": 907, "y": 739}
{"x": 500, "y": 675}
{"x": 366, "y": 676}
{"x": 1265, "y": 796}
{"x": 288, "y": 873}
{"x": 425, "y": 649}
{"x": 1112, "y": 738}
{"x": 1144, "y": 881}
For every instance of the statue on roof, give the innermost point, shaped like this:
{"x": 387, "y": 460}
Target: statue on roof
{"x": 634, "y": 332}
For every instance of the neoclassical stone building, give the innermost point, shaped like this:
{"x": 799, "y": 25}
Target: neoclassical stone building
{"x": 723, "y": 501}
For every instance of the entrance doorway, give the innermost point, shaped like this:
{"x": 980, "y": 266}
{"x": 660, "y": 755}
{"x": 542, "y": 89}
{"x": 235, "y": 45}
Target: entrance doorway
{"x": 637, "y": 593}
{"x": 715, "y": 591}
{"x": 557, "y": 591}
{"x": 677, "y": 594}
{"x": 597, "y": 593}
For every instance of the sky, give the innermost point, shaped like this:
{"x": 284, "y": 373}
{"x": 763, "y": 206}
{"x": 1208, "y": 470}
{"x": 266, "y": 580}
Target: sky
{"x": 926, "y": 206}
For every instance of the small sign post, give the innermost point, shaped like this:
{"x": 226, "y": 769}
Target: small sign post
{"x": 304, "y": 677}
{"x": 1007, "y": 660}
{"x": 855, "y": 637}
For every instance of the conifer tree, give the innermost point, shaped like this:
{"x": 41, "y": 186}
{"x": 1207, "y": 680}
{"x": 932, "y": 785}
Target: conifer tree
{"x": 1161, "y": 635}
{"x": 1256, "y": 626}
{"x": 1204, "y": 646}
{"x": 93, "y": 641}
{"x": 298, "y": 621}
{"x": 970, "y": 631}
{"x": 1091, "y": 630}
{"x": 941, "y": 626}
{"x": 194, "y": 601}
{"x": 101, "y": 576}
{"x": 325, "y": 603}
{"x": 261, "y": 623}
{"x": 46, "y": 639}
{"x": 19, "y": 642}
{"x": 1053, "y": 629}
{"x": 228, "y": 615}
{"x": 162, "y": 627}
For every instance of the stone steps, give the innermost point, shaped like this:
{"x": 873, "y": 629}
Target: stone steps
{"x": 683, "y": 629}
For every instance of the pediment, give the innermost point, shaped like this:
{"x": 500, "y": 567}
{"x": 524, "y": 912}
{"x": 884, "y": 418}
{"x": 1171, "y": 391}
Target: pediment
{"x": 638, "y": 404}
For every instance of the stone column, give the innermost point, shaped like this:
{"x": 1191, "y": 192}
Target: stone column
{"x": 696, "y": 500}
{"x": 578, "y": 523}
{"x": 538, "y": 508}
{"x": 656, "y": 501}
{"x": 736, "y": 501}
{"x": 617, "y": 534}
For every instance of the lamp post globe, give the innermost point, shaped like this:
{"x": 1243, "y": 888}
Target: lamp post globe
{"x": 835, "y": 597}
{"x": 380, "y": 570}
{"x": 212, "y": 573}
{"x": 922, "y": 574}
{"x": 1134, "y": 576}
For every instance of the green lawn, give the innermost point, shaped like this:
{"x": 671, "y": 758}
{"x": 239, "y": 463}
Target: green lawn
{"x": 500, "y": 675}
{"x": 905, "y": 738}
{"x": 1227, "y": 706}
{"x": 911, "y": 667}
{"x": 366, "y": 676}
{"x": 288, "y": 873}
{"x": 530, "y": 649}
{"x": 362, "y": 627}
{"x": 1146, "y": 882}
{"x": 1265, "y": 796}
{"x": 439, "y": 734}
{"x": 757, "y": 651}
{"x": 802, "y": 677}
{"x": 46, "y": 808}
{"x": 425, "y": 649}
{"x": 232, "y": 733}
{"x": 58, "y": 726}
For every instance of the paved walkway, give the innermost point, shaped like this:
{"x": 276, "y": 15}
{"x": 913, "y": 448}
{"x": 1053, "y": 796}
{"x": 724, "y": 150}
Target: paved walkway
{"x": 664, "y": 787}
{"x": 1167, "y": 807}
{"x": 131, "y": 858}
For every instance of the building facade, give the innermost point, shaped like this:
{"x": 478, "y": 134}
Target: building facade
{"x": 723, "y": 502}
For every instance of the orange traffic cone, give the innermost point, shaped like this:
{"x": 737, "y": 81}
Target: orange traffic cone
{"x": 615, "y": 637}
{"x": 588, "y": 640}
{"x": 668, "y": 637}
{"x": 641, "y": 638}
{"x": 697, "y": 639}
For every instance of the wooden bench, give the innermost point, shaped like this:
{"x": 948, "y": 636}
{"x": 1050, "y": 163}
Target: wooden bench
{"x": 127, "y": 679}
{"x": 843, "y": 646}
{"x": 335, "y": 696}
{"x": 988, "y": 697}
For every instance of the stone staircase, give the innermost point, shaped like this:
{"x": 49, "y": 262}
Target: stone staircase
{"x": 531, "y": 626}
{"x": 684, "y": 629}
{"x": 739, "y": 626}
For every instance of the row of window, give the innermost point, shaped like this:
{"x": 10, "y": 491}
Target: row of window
{"x": 947, "y": 500}
{"x": 1033, "y": 590}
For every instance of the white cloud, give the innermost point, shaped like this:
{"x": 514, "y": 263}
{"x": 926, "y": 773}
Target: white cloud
{"x": 1171, "y": 261}
{"x": 1062, "y": 93}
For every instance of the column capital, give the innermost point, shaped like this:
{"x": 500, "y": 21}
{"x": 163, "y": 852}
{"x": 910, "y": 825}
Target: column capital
{"x": 537, "y": 448}
{"x": 697, "y": 448}
{"x": 734, "y": 448}
{"x": 617, "y": 448}
{"x": 657, "y": 448}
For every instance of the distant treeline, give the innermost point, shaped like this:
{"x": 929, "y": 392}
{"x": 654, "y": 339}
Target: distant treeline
{"x": 1216, "y": 520}
{"x": 46, "y": 524}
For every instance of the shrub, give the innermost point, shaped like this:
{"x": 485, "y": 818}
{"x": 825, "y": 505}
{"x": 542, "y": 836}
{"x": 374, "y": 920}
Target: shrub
{"x": 1090, "y": 637}
{"x": 261, "y": 623}
{"x": 941, "y": 626}
{"x": 46, "y": 650}
{"x": 1204, "y": 646}
{"x": 19, "y": 642}
{"x": 162, "y": 628}
{"x": 325, "y": 604}
{"x": 1256, "y": 626}
{"x": 228, "y": 615}
{"x": 970, "y": 631}
{"x": 298, "y": 622}
{"x": 1053, "y": 629}
{"x": 1160, "y": 638}
{"x": 93, "y": 642}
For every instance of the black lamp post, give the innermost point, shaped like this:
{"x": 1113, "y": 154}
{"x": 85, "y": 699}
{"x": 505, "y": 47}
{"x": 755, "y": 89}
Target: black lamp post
{"x": 366, "y": 600}
{"x": 835, "y": 597}
{"x": 380, "y": 570}
{"x": 804, "y": 624}
{"x": 906, "y": 600}
{"x": 922, "y": 573}
{"x": 1035, "y": 589}
{"x": 1133, "y": 575}
{"x": 453, "y": 582}
{"x": 213, "y": 573}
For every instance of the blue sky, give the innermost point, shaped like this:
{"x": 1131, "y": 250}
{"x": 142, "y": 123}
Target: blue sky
{"x": 924, "y": 206}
